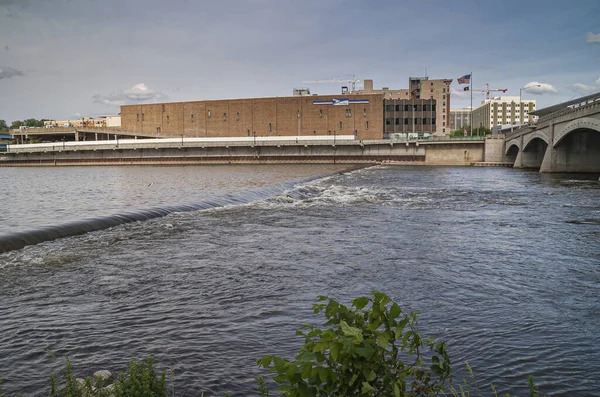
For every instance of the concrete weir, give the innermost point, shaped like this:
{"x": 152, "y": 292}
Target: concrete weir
{"x": 194, "y": 151}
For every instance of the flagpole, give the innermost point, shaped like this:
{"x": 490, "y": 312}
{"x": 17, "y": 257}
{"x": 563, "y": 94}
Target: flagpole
{"x": 471, "y": 89}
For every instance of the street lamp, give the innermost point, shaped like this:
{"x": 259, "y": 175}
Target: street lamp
{"x": 520, "y": 105}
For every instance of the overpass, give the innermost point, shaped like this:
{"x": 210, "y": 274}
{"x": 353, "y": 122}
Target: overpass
{"x": 566, "y": 138}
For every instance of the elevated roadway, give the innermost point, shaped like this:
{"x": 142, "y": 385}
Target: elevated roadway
{"x": 566, "y": 138}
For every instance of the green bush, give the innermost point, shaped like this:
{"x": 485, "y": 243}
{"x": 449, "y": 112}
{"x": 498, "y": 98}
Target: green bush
{"x": 369, "y": 349}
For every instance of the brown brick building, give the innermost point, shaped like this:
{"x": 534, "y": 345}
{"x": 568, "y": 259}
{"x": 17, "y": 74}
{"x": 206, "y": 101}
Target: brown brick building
{"x": 423, "y": 93}
{"x": 358, "y": 114}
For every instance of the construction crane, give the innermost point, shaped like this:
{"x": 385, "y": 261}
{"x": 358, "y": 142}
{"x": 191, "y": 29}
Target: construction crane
{"x": 486, "y": 91}
{"x": 352, "y": 80}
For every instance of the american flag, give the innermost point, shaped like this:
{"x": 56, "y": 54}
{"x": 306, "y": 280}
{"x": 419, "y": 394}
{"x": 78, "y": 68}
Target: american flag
{"x": 466, "y": 79}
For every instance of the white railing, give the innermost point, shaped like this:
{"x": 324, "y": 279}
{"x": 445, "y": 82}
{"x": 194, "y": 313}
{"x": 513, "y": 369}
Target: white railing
{"x": 177, "y": 143}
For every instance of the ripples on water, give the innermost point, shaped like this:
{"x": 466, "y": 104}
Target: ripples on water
{"x": 503, "y": 265}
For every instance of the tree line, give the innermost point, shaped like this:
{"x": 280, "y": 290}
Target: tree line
{"x": 31, "y": 123}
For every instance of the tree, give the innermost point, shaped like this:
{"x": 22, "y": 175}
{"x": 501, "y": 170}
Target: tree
{"x": 476, "y": 131}
{"x": 365, "y": 351}
{"x": 33, "y": 123}
{"x": 3, "y": 125}
{"x": 16, "y": 124}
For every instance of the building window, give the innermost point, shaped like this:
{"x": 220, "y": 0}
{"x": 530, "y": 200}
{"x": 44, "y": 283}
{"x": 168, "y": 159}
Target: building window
{"x": 142, "y": 116}
{"x": 365, "y": 112}
{"x": 191, "y": 117}
{"x": 406, "y": 108}
{"x": 443, "y": 123}
{"x": 248, "y": 132}
{"x": 138, "y": 117}
{"x": 432, "y": 83}
{"x": 367, "y": 124}
{"x": 433, "y": 108}
{"x": 406, "y": 121}
{"x": 168, "y": 120}
{"x": 349, "y": 112}
{"x": 444, "y": 96}
{"x": 320, "y": 113}
{"x": 444, "y": 90}
{"x": 388, "y": 121}
{"x": 224, "y": 116}
{"x": 314, "y": 132}
{"x": 163, "y": 108}
{"x": 424, "y": 121}
{"x": 443, "y": 130}
{"x": 209, "y": 113}
{"x": 237, "y": 116}
{"x": 341, "y": 125}
{"x": 433, "y": 121}
{"x": 397, "y": 121}
{"x": 269, "y": 127}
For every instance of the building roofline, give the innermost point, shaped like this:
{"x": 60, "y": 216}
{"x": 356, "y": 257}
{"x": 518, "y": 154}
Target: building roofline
{"x": 328, "y": 96}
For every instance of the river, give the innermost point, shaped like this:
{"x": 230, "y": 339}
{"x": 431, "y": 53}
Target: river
{"x": 502, "y": 264}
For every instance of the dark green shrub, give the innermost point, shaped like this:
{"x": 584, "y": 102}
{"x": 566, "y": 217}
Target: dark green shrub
{"x": 369, "y": 349}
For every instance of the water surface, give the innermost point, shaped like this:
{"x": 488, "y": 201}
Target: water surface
{"x": 502, "y": 264}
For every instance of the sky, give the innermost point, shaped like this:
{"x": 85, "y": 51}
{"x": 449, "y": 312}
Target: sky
{"x": 64, "y": 59}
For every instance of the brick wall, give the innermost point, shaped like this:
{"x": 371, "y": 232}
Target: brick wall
{"x": 287, "y": 116}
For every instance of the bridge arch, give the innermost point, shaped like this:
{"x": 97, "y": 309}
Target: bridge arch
{"x": 530, "y": 138}
{"x": 512, "y": 146}
{"x": 584, "y": 123}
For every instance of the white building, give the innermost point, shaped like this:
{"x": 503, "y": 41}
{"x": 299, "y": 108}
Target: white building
{"x": 503, "y": 110}
{"x": 111, "y": 121}
{"x": 459, "y": 118}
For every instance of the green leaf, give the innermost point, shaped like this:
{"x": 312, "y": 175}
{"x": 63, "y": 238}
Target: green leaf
{"x": 265, "y": 361}
{"x": 383, "y": 340}
{"x": 306, "y": 371}
{"x": 305, "y": 356}
{"x": 361, "y": 302}
{"x": 396, "y": 390}
{"x": 369, "y": 374}
{"x": 395, "y": 311}
{"x": 334, "y": 351}
{"x": 351, "y": 331}
{"x": 366, "y": 388}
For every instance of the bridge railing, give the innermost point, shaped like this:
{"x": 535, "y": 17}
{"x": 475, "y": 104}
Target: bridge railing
{"x": 182, "y": 142}
{"x": 571, "y": 110}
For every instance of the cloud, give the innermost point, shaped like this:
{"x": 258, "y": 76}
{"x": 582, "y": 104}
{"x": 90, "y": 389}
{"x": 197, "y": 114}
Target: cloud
{"x": 138, "y": 93}
{"x": 7, "y": 73}
{"x": 582, "y": 88}
{"x": 537, "y": 88}
{"x": 585, "y": 89}
{"x": 593, "y": 38}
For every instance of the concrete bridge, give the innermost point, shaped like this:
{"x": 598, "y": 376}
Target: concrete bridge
{"x": 566, "y": 138}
